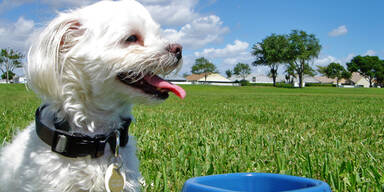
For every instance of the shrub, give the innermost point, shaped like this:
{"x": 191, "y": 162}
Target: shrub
{"x": 10, "y": 75}
{"x": 262, "y": 84}
{"x": 243, "y": 82}
{"x": 284, "y": 85}
{"x": 319, "y": 85}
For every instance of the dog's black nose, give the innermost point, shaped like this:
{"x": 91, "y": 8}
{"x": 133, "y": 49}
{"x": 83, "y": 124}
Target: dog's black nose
{"x": 176, "y": 49}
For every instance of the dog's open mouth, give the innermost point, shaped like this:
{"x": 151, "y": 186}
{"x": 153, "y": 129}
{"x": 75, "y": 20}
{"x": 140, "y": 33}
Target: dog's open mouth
{"x": 152, "y": 84}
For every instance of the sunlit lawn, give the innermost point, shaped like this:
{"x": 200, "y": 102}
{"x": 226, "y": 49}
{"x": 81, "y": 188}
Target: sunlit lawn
{"x": 331, "y": 134}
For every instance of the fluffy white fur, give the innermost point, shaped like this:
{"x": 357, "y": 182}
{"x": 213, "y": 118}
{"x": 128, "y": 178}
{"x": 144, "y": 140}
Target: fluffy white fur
{"x": 73, "y": 67}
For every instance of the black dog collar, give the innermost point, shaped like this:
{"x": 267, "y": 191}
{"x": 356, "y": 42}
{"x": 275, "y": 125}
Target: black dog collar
{"x": 74, "y": 145}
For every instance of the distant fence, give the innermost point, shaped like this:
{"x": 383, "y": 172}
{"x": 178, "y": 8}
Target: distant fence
{"x": 246, "y": 83}
{"x": 217, "y": 83}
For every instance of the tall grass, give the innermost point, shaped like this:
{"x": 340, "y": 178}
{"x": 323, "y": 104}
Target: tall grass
{"x": 331, "y": 134}
{"x": 17, "y": 109}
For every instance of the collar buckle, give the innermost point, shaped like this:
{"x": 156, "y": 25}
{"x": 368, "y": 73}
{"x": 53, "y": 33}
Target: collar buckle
{"x": 59, "y": 143}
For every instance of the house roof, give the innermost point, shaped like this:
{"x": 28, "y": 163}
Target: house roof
{"x": 266, "y": 79}
{"x": 195, "y": 77}
{"x": 324, "y": 79}
{"x": 210, "y": 77}
{"x": 356, "y": 77}
{"x": 259, "y": 78}
{"x": 307, "y": 79}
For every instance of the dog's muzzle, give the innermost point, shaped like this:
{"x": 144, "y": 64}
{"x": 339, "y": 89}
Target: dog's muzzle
{"x": 176, "y": 49}
{"x": 151, "y": 84}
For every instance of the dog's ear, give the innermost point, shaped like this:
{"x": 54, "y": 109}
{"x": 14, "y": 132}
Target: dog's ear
{"x": 47, "y": 56}
{"x": 70, "y": 38}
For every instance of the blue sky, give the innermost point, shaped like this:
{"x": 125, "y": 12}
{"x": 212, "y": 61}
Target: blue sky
{"x": 224, "y": 31}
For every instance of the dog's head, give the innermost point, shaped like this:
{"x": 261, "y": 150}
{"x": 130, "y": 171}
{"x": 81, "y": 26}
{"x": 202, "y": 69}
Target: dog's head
{"x": 102, "y": 57}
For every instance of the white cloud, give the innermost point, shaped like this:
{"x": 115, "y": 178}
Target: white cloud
{"x": 19, "y": 35}
{"x": 370, "y": 53}
{"x": 349, "y": 57}
{"x": 16, "y": 35}
{"x": 246, "y": 58}
{"x": 341, "y": 30}
{"x": 228, "y": 56}
{"x": 171, "y": 12}
{"x": 352, "y": 55}
{"x": 231, "y": 54}
{"x": 224, "y": 58}
{"x": 57, "y": 4}
{"x": 189, "y": 27}
{"x": 198, "y": 33}
{"x": 166, "y": 12}
{"x": 326, "y": 60}
{"x": 230, "y": 50}
{"x": 9, "y": 4}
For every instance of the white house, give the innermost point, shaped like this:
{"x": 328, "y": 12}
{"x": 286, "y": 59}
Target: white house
{"x": 20, "y": 79}
{"x": 356, "y": 80}
{"x": 359, "y": 81}
{"x": 306, "y": 79}
{"x": 211, "y": 79}
{"x": 257, "y": 78}
{"x": 326, "y": 80}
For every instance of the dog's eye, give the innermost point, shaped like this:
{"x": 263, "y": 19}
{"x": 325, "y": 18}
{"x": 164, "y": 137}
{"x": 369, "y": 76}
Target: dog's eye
{"x": 132, "y": 39}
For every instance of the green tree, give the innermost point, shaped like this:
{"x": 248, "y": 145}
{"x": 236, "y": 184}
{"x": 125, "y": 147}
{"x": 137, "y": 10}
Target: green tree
{"x": 10, "y": 75}
{"x": 290, "y": 73}
{"x": 303, "y": 48}
{"x": 203, "y": 66}
{"x": 335, "y": 70}
{"x": 228, "y": 73}
{"x": 242, "y": 70}
{"x": 367, "y": 66}
{"x": 321, "y": 69}
{"x": 271, "y": 52}
{"x": 9, "y": 60}
{"x": 379, "y": 75}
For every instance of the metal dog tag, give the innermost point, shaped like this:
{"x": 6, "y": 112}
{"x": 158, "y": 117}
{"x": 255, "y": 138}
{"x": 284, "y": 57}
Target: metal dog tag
{"x": 114, "y": 180}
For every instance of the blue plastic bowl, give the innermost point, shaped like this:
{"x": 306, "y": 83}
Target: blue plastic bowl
{"x": 247, "y": 182}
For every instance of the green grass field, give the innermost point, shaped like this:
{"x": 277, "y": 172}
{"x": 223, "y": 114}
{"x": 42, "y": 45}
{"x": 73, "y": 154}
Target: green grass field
{"x": 331, "y": 134}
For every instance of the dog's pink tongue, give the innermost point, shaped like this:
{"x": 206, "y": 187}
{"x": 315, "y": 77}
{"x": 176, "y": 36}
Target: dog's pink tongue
{"x": 158, "y": 82}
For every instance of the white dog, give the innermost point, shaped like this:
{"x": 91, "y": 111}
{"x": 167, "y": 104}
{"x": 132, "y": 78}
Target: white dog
{"x": 89, "y": 66}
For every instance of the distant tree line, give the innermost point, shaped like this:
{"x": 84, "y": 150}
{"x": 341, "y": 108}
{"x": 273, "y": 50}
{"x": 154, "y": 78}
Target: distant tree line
{"x": 370, "y": 67}
{"x": 294, "y": 50}
{"x": 204, "y": 66}
{"x": 297, "y": 51}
